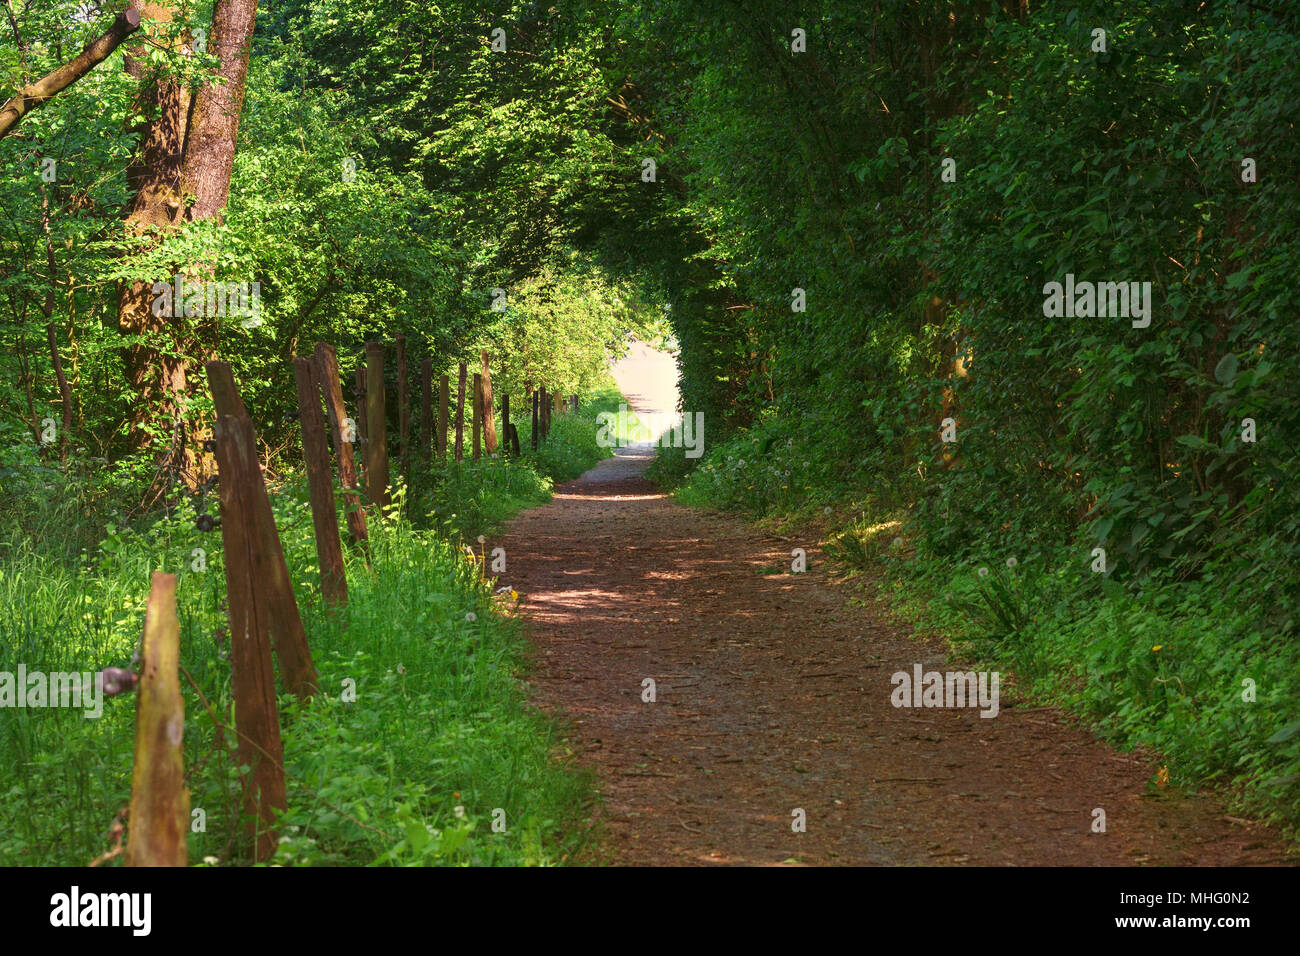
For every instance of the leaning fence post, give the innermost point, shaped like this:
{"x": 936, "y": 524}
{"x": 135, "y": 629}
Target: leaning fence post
{"x": 244, "y": 490}
{"x": 344, "y": 432}
{"x": 320, "y": 485}
{"x": 160, "y": 803}
{"x": 257, "y": 716}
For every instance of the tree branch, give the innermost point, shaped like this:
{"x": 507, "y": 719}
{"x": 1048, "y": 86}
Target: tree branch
{"x": 36, "y": 94}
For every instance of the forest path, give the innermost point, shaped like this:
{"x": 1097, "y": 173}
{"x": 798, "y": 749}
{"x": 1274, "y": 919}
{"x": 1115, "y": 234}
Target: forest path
{"x": 773, "y": 693}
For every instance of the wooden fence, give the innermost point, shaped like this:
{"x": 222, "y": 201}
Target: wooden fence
{"x": 262, "y": 611}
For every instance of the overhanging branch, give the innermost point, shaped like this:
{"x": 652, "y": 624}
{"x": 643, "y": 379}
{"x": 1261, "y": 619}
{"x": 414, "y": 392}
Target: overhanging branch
{"x": 37, "y": 94}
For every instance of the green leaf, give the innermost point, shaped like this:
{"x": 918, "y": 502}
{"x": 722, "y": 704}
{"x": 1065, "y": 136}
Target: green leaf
{"x": 1226, "y": 371}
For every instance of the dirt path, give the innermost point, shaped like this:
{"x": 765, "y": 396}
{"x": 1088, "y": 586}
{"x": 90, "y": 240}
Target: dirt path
{"x": 773, "y": 693}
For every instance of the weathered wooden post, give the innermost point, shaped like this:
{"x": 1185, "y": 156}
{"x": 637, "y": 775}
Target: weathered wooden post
{"x": 444, "y": 400}
{"x": 257, "y": 717}
{"x": 426, "y": 410}
{"x": 160, "y": 803}
{"x": 537, "y": 396}
{"x": 505, "y": 423}
{"x": 377, "y": 435}
{"x": 360, "y": 377}
{"x": 320, "y": 484}
{"x": 478, "y": 415}
{"x": 460, "y": 415}
{"x": 489, "y": 417}
{"x": 343, "y": 431}
{"x": 243, "y": 493}
{"x": 403, "y": 409}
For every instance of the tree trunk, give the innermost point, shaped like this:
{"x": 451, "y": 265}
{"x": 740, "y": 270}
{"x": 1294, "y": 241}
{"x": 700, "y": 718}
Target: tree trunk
{"x": 154, "y": 368}
{"x": 65, "y": 393}
{"x": 214, "y": 120}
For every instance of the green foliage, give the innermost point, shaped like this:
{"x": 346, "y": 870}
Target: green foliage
{"x": 571, "y": 447}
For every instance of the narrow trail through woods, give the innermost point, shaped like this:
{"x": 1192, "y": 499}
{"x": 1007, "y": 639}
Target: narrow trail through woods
{"x": 773, "y": 693}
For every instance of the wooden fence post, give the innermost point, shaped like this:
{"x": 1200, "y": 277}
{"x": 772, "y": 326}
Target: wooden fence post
{"x": 362, "y": 431}
{"x": 320, "y": 484}
{"x": 489, "y": 417}
{"x": 505, "y": 423}
{"x": 403, "y": 409}
{"x": 444, "y": 400}
{"x": 344, "y": 433}
{"x": 536, "y": 422}
{"x": 426, "y": 410}
{"x": 160, "y": 803}
{"x": 257, "y": 717}
{"x": 257, "y": 543}
{"x": 478, "y": 415}
{"x": 460, "y": 415}
{"x": 377, "y": 436}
